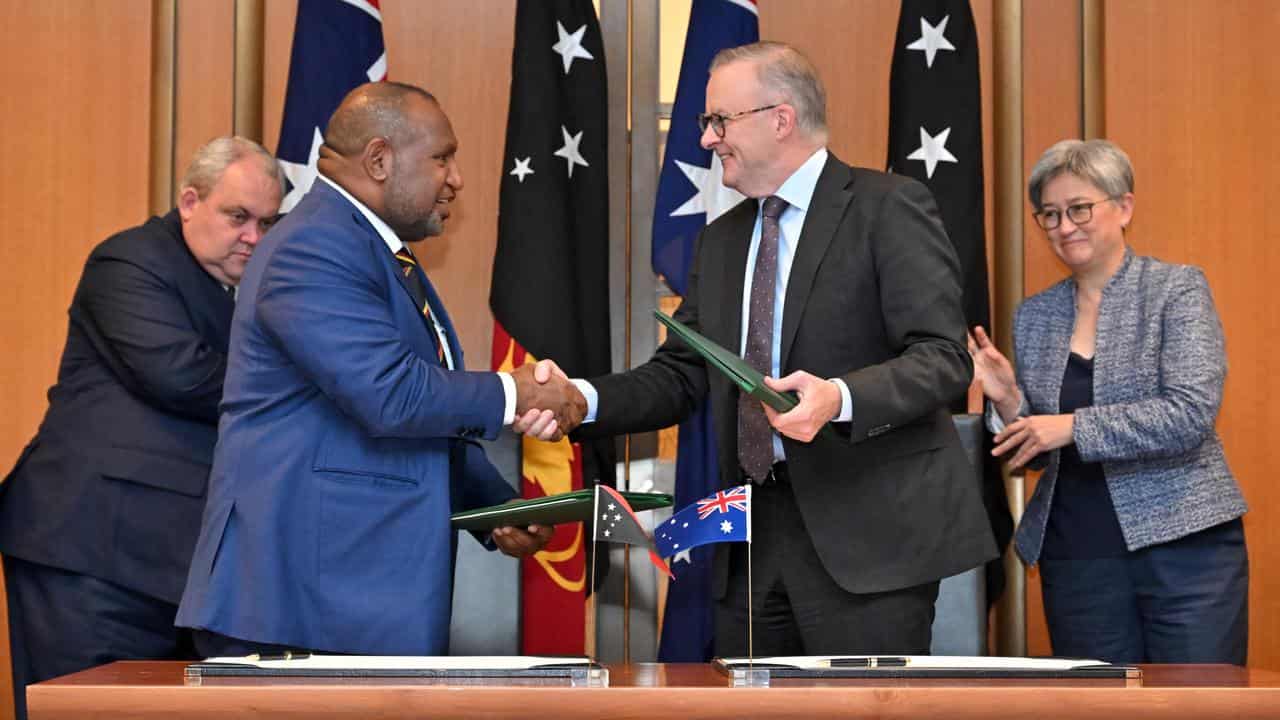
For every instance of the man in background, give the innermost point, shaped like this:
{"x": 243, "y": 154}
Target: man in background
{"x": 350, "y": 424}
{"x": 99, "y": 516}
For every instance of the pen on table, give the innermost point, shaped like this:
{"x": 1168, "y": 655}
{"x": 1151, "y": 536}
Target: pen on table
{"x": 286, "y": 655}
{"x": 867, "y": 662}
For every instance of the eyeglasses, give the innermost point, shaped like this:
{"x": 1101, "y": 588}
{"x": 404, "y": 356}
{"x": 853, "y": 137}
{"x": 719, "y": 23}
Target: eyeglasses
{"x": 1078, "y": 214}
{"x": 717, "y": 121}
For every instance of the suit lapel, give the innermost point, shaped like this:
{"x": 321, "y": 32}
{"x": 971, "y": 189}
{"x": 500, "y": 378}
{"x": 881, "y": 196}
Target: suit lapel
{"x": 740, "y": 223}
{"x": 830, "y": 198}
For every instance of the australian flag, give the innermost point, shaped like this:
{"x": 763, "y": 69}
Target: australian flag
{"x": 337, "y": 45}
{"x": 723, "y": 517}
{"x": 690, "y": 195}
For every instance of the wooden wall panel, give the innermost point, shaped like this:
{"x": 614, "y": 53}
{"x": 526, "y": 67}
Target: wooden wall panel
{"x": 278, "y": 19}
{"x": 1191, "y": 96}
{"x": 205, "y": 70}
{"x": 74, "y": 122}
{"x": 851, "y": 43}
{"x": 75, "y": 118}
{"x": 461, "y": 53}
{"x": 1051, "y": 91}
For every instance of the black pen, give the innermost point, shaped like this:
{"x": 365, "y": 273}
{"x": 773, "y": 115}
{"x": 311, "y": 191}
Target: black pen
{"x": 867, "y": 662}
{"x": 286, "y": 655}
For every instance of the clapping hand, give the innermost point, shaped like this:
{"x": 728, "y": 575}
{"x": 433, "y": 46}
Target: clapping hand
{"x": 993, "y": 370}
{"x": 1033, "y": 435}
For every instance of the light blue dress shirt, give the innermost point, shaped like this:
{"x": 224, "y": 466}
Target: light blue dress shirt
{"x": 797, "y": 190}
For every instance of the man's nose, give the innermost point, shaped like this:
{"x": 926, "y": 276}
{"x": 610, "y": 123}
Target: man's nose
{"x": 709, "y": 137}
{"x": 454, "y": 179}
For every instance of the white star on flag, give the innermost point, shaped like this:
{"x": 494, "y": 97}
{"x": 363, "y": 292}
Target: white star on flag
{"x": 682, "y": 556}
{"x": 573, "y": 157}
{"x": 712, "y": 198}
{"x": 726, "y": 526}
{"x": 932, "y": 151}
{"x": 932, "y": 40}
{"x": 607, "y": 533}
{"x": 301, "y": 176}
{"x": 570, "y": 46}
{"x": 617, "y": 517}
{"x": 522, "y": 168}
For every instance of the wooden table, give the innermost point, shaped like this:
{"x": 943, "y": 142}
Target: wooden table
{"x": 649, "y": 691}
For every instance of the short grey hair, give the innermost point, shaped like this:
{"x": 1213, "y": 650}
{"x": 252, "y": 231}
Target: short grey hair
{"x": 214, "y": 157}
{"x": 1100, "y": 163}
{"x": 784, "y": 70}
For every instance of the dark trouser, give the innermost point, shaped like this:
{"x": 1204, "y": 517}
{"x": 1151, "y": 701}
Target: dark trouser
{"x": 798, "y": 608}
{"x": 1184, "y": 601}
{"x": 62, "y": 622}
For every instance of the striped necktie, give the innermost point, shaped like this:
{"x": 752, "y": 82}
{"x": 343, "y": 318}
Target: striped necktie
{"x": 417, "y": 286}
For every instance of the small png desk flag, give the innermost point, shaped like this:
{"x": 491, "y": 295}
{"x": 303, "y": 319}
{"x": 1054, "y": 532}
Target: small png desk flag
{"x": 615, "y": 521}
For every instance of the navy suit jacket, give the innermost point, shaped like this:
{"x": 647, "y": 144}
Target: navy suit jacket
{"x": 343, "y": 448}
{"x": 113, "y": 484}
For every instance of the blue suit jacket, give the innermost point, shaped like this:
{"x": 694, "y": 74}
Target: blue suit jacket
{"x": 113, "y": 484}
{"x": 343, "y": 447}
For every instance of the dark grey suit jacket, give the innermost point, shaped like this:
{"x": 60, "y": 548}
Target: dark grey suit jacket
{"x": 889, "y": 500}
{"x": 113, "y": 484}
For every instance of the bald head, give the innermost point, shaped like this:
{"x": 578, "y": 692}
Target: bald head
{"x": 373, "y": 110}
{"x": 391, "y": 147}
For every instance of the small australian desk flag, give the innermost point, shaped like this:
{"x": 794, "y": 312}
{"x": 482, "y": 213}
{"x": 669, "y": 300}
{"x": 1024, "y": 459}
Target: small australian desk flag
{"x": 723, "y": 517}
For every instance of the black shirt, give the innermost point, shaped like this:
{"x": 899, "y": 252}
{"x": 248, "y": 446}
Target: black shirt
{"x": 1082, "y": 520}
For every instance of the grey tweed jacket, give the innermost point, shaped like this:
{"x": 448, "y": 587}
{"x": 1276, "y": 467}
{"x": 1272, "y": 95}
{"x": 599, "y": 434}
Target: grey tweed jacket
{"x": 1159, "y": 367}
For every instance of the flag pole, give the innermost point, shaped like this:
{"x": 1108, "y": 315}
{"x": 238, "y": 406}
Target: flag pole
{"x": 751, "y": 623}
{"x": 595, "y": 626}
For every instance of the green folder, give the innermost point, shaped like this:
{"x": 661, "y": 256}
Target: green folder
{"x": 550, "y": 510}
{"x": 747, "y": 378}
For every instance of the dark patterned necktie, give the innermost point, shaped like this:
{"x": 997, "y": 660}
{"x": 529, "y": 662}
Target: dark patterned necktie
{"x": 755, "y": 436}
{"x": 409, "y": 265}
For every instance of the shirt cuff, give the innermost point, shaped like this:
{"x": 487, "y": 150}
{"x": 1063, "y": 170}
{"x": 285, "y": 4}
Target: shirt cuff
{"x": 593, "y": 398}
{"x": 509, "y": 391}
{"x": 846, "y": 402}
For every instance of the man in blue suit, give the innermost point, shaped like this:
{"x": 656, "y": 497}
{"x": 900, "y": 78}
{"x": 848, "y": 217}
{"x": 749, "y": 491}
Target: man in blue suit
{"x": 99, "y": 516}
{"x": 349, "y": 426}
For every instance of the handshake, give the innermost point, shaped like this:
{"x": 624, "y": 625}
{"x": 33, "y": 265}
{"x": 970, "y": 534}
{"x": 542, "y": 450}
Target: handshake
{"x": 548, "y": 405}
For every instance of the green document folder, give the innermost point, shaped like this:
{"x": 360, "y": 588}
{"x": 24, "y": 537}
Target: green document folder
{"x": 549, "y": 510}
{"x": 747, "y": 378}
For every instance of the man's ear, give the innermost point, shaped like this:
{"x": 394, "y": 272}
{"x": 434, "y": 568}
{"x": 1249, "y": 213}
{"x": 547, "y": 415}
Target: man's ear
{"x": 378, "y": 159}
{"x": 188, "y": 198}
{"x": 784, "y": 120}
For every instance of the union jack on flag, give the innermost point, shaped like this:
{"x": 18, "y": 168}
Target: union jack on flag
{"x": 723, "y": 517}
{"x": 721, "y": 502}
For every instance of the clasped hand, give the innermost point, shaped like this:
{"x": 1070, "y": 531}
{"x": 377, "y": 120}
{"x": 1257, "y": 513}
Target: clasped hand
{"x": 521, "y": 542}
{"x": 548, "y": 405}
{"x": 820, "y": 402}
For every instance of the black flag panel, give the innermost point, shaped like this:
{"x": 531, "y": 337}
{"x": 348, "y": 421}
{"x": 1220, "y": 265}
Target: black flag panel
{"x": 550, "y": 273}
{"x": 935, "y": 136}
{"x": 935, "y": 128}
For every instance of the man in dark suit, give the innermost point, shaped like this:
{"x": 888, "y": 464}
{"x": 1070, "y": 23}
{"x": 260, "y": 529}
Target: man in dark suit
{"x": 99, "y": 516}
{"x": 349, "y": 425}
{"x": 826, "y": 271}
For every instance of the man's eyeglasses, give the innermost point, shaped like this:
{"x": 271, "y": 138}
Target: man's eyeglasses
{"x": 717, "y": 121}
{"x": 1078, "y": 214}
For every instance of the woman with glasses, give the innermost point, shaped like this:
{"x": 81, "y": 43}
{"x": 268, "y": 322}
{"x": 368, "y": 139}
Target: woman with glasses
{"x": 1135, "y": 523}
